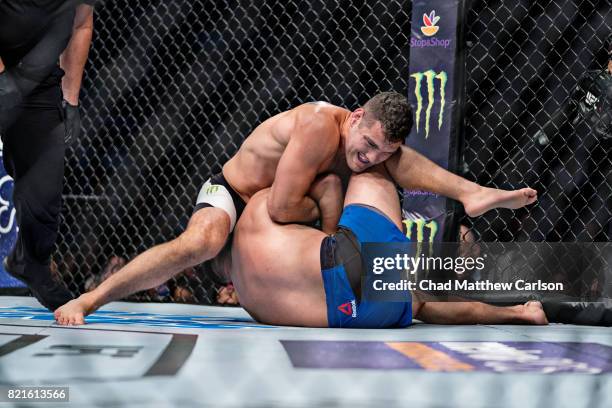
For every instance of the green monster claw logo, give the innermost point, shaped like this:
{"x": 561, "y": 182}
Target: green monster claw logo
{"x": 429, "y": 75}
{"x": 421, "y": 225}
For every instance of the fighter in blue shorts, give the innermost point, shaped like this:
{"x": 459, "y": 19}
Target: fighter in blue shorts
{"x": 297, "y": 275}
{"x": 341, "y": 269}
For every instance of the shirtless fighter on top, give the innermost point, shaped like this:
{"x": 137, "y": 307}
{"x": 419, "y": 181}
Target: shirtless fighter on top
{"x": 287, "y": 152}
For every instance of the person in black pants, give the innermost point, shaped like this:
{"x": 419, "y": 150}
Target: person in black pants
{"x": 38, "y": 118}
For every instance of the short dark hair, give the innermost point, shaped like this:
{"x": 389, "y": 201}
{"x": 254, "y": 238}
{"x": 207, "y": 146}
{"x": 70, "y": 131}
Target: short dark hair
{"x": 393, "y": 112}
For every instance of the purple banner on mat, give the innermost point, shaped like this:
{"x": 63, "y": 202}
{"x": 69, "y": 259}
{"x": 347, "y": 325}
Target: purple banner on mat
{"x": 344, "y": 354}
{"x": 453, "y": 356}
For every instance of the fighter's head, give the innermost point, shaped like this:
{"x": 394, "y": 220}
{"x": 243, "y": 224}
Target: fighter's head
{"x": 377, "y": 130}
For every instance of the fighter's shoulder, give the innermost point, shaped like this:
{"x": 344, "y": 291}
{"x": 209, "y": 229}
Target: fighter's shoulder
{"x": 318, "y": 119}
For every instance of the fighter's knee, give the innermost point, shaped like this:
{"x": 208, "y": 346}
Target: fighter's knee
{"x": 193, "y": 249}
{"x": 204, "y": 237}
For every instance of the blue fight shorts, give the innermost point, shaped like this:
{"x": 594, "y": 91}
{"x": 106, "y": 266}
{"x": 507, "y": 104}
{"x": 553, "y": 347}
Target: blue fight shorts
{"x": 341, "y": 270}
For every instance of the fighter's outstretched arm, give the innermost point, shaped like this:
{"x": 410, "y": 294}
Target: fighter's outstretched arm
{"x": 411, "y": 170}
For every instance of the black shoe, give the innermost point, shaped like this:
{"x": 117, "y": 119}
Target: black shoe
{"x": 45, "y": 289}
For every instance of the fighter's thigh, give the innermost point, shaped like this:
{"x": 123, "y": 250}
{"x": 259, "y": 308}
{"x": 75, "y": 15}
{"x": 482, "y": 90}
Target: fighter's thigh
{"x": 375, "y": 188}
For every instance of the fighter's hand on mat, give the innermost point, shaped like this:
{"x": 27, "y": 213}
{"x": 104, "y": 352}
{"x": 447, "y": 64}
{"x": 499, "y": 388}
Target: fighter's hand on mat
{"x": 72, "y": 122}
{"x": 71, "y": 314}
{"x": 487, "y": 199}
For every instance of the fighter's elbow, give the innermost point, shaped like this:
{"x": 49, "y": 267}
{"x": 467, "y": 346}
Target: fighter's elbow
{"x": 279, "y": 212}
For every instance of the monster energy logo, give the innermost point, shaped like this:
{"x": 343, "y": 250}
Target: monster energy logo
{"x": 421, "y": 225}
{"x": 429, "y": 76}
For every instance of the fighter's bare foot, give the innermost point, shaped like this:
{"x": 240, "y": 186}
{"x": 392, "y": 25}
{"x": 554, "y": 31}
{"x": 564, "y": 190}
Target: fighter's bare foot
{"x": 533, "y": 313}
{"x": 227, "y": 295}
{"x": 73, "y": 312}
{"x": 486, "y": 199}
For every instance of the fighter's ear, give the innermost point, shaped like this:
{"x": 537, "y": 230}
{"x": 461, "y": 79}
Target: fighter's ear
{"x": 356, "y": 116}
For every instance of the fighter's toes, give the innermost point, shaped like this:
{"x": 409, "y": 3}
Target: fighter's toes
{"x": 530, "y": 195}
{"x": 62, "y": 317}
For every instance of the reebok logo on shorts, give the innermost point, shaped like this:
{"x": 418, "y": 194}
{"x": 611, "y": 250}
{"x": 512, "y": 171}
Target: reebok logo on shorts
{"x": 349, "y": 308}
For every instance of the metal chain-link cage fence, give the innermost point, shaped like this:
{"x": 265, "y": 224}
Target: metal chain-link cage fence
{"x": 530, "y": 67}
{"x": 173, "y": 87}
{"x": 533, "y": 71}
